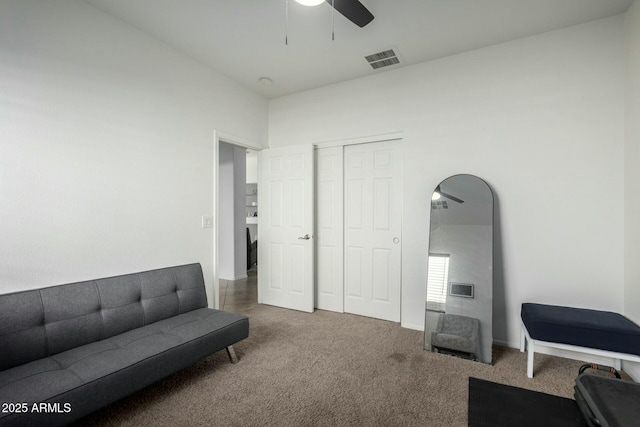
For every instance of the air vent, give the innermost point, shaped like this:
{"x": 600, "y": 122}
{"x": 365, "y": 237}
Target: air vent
{"x": 382, "y": 59}
{"x": 440, "y": 204}
{"x": 384, "y": 63}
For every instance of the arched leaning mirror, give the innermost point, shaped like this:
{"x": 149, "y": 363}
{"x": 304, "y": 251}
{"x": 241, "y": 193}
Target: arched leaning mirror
{"x": 459, "y": 306}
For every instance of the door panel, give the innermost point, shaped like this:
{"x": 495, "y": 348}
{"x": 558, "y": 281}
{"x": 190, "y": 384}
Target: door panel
{"x": 353, "y": 278}
{"x": 382, "y": 204}
{"x": 329, "y": 229}
{"x": 372, "y": 229}
{"x": 381, "y": 272}
{"x": 354, "y": 202}
{"x": 286, "y": 270}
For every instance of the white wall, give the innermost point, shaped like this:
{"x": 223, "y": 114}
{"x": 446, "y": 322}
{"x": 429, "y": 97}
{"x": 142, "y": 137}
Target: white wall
{"x": 632, "y": 165}
{"x": 232, "y": 238}
{"x": 252, "y": 178}
{"x": 226, "y": 240}
{"x": 632, "y": 173}
{"x": 252, "y": 167}
{"x": 240, "y": 211}
{"x": 106, "y": 147}
{"x": 541, "y": 119}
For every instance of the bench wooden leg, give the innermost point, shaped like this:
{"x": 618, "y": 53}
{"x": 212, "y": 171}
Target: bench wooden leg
{"x": 232, "y": 354}
{"x": 522, "y": 339}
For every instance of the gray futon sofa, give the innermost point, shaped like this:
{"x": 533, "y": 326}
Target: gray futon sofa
{"x": 66, "y": 351}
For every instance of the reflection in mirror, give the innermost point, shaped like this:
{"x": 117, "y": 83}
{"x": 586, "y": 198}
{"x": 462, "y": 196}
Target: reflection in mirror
{"x": 459, "y": 306}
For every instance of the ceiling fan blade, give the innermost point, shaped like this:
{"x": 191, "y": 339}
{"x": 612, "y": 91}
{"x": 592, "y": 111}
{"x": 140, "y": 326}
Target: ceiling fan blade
{"x": 449, "y": 196}
{"x": 353, "y": 10}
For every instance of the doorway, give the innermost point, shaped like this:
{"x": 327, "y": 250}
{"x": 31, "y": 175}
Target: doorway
{"x": 236, "y": 224}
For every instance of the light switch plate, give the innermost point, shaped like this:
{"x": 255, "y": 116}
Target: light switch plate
{"x": 207, "y": 221}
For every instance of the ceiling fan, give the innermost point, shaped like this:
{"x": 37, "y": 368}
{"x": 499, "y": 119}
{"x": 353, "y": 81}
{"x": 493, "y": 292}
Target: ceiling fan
{"x": 353, "y": 10}
{"x": 438, "y": 193}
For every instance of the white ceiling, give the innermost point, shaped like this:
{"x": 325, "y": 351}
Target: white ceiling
{"x": 245, "y": 39}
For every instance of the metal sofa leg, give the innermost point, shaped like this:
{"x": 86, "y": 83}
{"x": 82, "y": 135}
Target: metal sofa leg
{"x": 232, "y": 354}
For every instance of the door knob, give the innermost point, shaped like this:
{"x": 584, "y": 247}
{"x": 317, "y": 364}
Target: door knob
{"x": 305, "y": 237}
{"x": 396, "y": 240}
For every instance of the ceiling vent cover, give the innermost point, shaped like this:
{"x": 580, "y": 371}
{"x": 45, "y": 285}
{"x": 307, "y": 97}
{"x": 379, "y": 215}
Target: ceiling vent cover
{"x": 440, "y": 204}
{"x": 382, "y": 59}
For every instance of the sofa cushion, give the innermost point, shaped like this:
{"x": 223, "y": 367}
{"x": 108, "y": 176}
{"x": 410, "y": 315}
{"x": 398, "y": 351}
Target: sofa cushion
{"x": 121, "y": 307}
{"x": 22, "y": 333}
{"x": 71, "y": 315}
{"x": 48, "y": 378}
{"x": 49, "y": 321}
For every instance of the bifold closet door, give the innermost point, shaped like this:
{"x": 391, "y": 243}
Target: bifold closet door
{"x": 372, "y": 229}
{"x": 329, "y": 229}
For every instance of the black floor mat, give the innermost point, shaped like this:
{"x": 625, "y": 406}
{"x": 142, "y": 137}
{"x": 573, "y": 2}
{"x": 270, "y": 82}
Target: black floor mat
{"x": 493, "y": 404}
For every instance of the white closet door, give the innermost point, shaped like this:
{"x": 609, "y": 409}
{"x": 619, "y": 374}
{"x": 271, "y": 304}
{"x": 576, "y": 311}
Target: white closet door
{"x": 286, "y": 247}
{"x": 329, "y": 229}
{"x": 372, "y": 229}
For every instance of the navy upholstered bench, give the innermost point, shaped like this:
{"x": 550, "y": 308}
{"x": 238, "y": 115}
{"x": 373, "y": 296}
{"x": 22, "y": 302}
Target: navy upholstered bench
{"x": 599, "y": 333}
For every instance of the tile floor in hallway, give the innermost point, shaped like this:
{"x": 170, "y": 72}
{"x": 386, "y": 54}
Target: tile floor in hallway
{"x": 238, "y": 296}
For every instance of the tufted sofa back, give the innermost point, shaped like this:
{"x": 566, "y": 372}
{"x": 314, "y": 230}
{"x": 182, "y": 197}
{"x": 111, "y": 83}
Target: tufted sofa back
{"x": 42, "y": 322}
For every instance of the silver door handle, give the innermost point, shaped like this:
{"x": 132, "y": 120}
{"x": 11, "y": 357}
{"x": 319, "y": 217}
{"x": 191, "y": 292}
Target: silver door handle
{"x": 305, "y": 237}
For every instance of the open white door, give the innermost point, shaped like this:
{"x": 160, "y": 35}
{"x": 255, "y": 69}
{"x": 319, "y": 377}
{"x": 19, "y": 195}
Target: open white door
{"x": 285, "y": 246}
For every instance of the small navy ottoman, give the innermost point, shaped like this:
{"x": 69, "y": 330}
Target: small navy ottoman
{"x": 601, "y": 333}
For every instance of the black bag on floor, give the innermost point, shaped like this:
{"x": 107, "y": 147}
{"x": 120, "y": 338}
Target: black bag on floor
{"x": 606, "y": 401}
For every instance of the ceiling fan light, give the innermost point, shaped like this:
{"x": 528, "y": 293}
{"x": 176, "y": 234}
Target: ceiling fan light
{"x": 310, "y": 2}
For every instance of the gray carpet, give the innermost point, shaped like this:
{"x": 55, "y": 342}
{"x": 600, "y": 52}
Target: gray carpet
{"x": 326, "y": 369}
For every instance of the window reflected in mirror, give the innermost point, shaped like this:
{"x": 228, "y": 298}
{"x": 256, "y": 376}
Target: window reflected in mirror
{"x": 437, "y": 280}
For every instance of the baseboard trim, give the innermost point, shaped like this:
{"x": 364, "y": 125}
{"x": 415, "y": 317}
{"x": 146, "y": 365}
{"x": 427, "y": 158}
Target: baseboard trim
{"x": 243, "y": 276}
{"x": 412, "y": 326}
